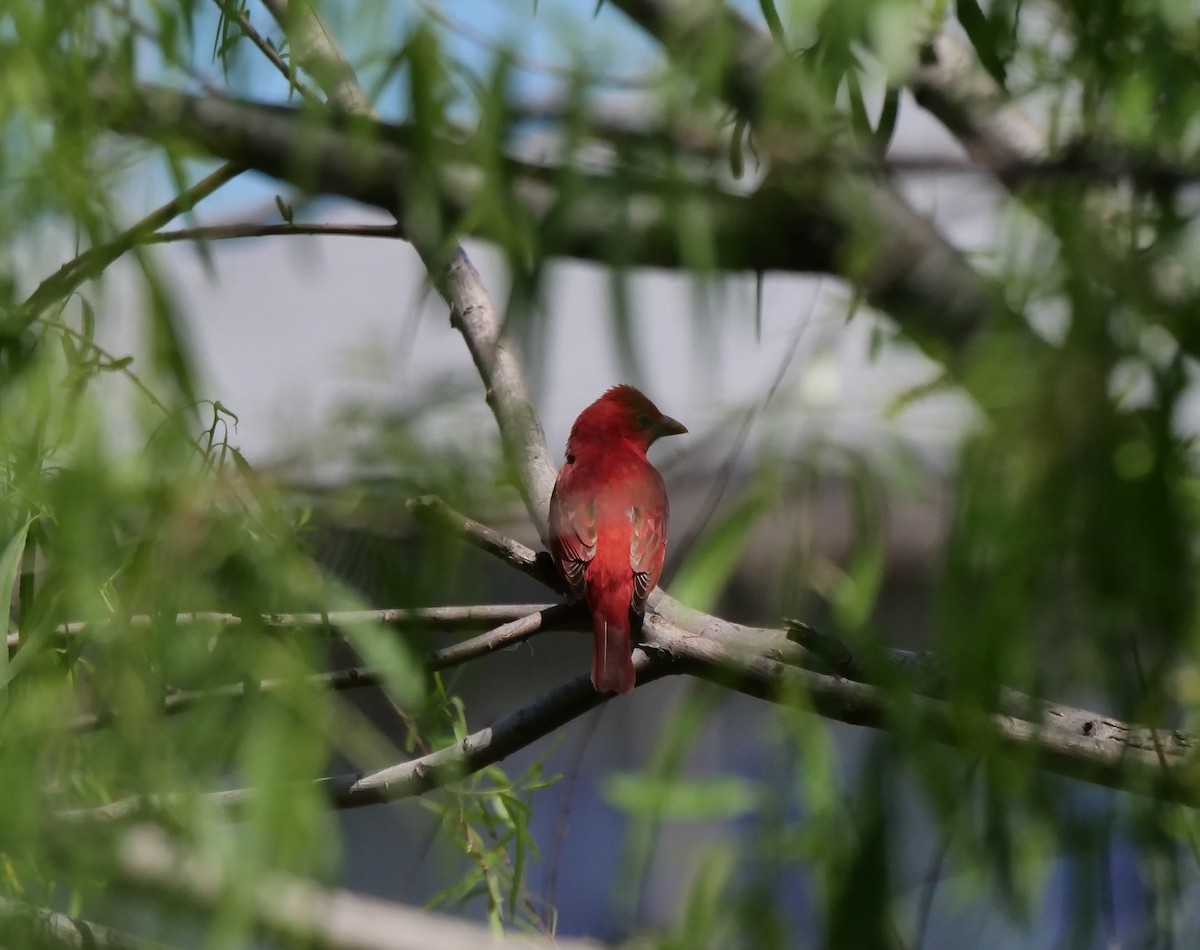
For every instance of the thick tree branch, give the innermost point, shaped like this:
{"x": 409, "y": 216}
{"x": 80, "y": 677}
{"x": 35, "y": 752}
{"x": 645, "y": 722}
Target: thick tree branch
{"x": 954, "y": 87}
{"x": 303, "y": 913}
{"x": 899, "y": 260}
{"x": 850, "y": 224}
{"x": 973, "y": 107}
{"x": 1067, "y": 741}
{"x": 1063, "y": 740}
{"x": 370, "y": 162}
{"x": 477, "y": 751}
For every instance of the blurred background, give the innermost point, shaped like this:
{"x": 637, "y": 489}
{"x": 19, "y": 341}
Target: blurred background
{"x": 1022, "y": 504}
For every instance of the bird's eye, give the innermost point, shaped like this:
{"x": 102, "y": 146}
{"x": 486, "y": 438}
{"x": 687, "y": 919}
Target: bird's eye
{"x": 644, "y": 421}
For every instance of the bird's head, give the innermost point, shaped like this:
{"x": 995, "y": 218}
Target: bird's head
{"x": 623, "y": 413}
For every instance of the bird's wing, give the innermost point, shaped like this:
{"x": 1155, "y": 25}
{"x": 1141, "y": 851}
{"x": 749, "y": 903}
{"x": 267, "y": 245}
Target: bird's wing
{"x": 647, "y": 548}
{"x": 573, "y": 538}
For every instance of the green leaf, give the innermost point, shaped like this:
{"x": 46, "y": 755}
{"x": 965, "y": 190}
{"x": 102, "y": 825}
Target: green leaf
{"x": 116, "y": 365}
{"x": 983, "y": 36}
{"x": 860, "y": 121}
{"x": 854, "y": 598}
{"x": 700, "y": 581}
{"x": 885, "y": 128}
{"x": 672, "y": 798}
{"x": 10, "y": 572}
{"x": 774, "y": 24}
{"x": 737, "y": 165}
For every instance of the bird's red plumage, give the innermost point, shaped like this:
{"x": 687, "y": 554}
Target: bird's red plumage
{"x": 608, "y": 522}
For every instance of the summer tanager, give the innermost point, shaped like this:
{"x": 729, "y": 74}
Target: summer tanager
{"x": 608, "y": 523}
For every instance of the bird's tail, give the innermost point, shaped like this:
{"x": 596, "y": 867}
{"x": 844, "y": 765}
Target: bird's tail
{"x": 612, "y": 662}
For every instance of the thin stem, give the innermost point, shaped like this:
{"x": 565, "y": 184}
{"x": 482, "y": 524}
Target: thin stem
{"x": 267, "y": 48}
{"x": 424, "y": 618}
{"x": 227, "y": 232}
{"x": 93, "y": 262}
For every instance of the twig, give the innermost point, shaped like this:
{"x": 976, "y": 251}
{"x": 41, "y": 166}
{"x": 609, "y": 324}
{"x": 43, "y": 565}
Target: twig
{"x": 571, "y": 780}
{"x": 227, "y": 232}
{"x": 933, "y": 876}
{"x": 471, "y": 308}
{"x": 415, "y": 777}
{"x": 1070, "y": 742}
{"x": 432, "y": 510}
{"x": 84, "y": 340}
{"x": 144, "y": 29}
{"x": 267, "y": 48}
{"x": 506, "y": 635}
{"x": 424, "y": 618}
{"x": 91, "y": 263}
{"x": 835, "y": 653}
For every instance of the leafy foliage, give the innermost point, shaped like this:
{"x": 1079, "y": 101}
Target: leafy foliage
{"x": 761, "y": 138}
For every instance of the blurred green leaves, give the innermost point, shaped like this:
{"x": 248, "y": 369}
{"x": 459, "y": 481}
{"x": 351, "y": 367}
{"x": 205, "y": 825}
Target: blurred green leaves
{"x": 1069, "y": 561}
{"x": 711, "y": 561}
{"x": 675, "y": 798}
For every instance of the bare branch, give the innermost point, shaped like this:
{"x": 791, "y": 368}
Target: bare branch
{"x": 969, "y": 102}
{"x": 1068, "y": 741}
{"x": 551, "y": 617}
{"x": 907, "y": 270}
{"x": 471, "y": 308}
{"x": 227, "y": 232}
{"x": 510, "y": 634}
{"x": 92, "y": 262}
{"x": 504, "y": 380}
{"x": 475, "y": 752}
{"x": 432, "y": 510}
{"x": 451, "y": 619}
{"x": 300, "y": 912}
{"x": 492, "y": 744}
{"x": 265, "y": 47}
{"x": 1061, "y": 739}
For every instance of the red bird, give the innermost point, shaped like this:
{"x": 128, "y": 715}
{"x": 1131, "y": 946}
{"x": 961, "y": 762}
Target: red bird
{"x": 608, "y": 522}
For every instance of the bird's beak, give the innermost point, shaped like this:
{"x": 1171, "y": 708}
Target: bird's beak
{"x": 668, "y": 426}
